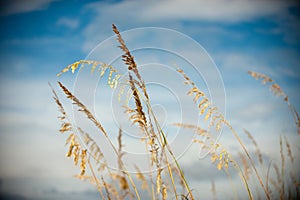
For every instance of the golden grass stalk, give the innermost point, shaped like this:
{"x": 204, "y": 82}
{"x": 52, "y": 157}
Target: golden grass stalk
{"x": 94, "y": 150}
{"x": 82, "y": 108}
{"x": 101, "y": 162}
{"x": 83, "y": 162}
{"x": 90, "y": 116}
{"x": 76, "y": 152}
{"x": 277, "y": 90}
{"x": 247, "y": 168}
{"x": 289, "y": 150}
{"x": 205, "y": 105}
{"x": 251, "y": 161}
{"x": 279, "y": 178}
{"x": 295, "y": 183}
{"x": 258, "y": 152}
{"x": 282, "y": 191}
{"x": 164, "y": 192}
{"x": 75, "y": 149}
{"x": 120, "y": 151}
{"x": 140, "y": 118}
{"x": 123, "y": 184}
{"x": 137, "y": 114}
{"x": 141, "y": 177}
{"x": 99, "y": 187}
{"x": 165, "y": 143}
{"x": 106, "y": 188}
{"x": 267, "y": 178}
{"x": 129, "y": 60}
{"x": 100, "y": 67}
{"x": 218, "y": 153}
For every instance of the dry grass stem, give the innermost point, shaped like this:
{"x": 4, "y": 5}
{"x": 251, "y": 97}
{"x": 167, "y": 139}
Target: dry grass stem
{"x": 203, "y": 106}
{"x": 289, "y": 149}
{"x": 82, "y": 108}
{"x": 276, "y": 89}
{"x": 213, "y": 190}
{"x": 258, "y": 152}
{"x": 245, "y": 164}
{"x": 282, "y": 191}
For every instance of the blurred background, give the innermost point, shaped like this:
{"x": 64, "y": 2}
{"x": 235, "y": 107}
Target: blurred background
{"x": 39, "y": 38}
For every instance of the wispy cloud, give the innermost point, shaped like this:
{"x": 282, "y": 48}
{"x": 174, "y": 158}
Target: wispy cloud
{"x": 68, "y": 22}
{"x": 221, "y": 10}
{"x": 19, "y": 6}
{"x": 218, "y": 11}
{"x": 254, "y": 110}
{"x": 207, "y": 20}
{"x": 46, "y": 189}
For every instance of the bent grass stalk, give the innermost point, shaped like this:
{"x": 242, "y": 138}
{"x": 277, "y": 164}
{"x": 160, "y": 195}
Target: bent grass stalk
{"x": 90, "y": 116}
{"x": 223, "y": 157}
{"x": 174, "y": 159}
{"x": 277, "y": 90}
{"x": 140, "y": 118}
{"x": 204, "y": 105}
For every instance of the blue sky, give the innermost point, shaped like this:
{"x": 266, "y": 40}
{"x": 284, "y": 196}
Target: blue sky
{"x": 39, "y": 38}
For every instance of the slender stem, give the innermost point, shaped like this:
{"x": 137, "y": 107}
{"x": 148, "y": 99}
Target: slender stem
{"x": 96, "y": 179}
{"x": 250, "y": 159}
{"x": 150, "y": 174}
{"x": 123, "y": 166}
{"x": 98, "y": 125}
{"x": 165, "y": 142}
{"x": 133, "y": 185}
{"x": 282, "y": 170}
{"x": 162, "y": 144}
{"x": 232, "y": 185}
{"x": 172, "y": 179}
{"x": 244, "y": 180}
{"x": 268, "y": 173}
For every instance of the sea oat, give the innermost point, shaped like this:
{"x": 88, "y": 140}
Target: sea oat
{"x": 82, "y": 108}
{"x": 83, "y": 161}
{"x": 258, "y": 152}
{"x": 282, "y": 191}
{"x": 129, "y": 61}
{"x": 247, "y": 169}
{"x": 277, "y": 90}
{"x": 140, "y": 176}
{"x": 289, "y": 150}
{"x": 113, "y": 76}
{"x": 158, "y": 181}
{"x": 203, "y": 106}
{"x": 94, "y": 150}
{"x": 164, "y": 192}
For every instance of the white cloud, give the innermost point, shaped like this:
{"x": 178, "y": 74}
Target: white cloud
{"x": 28, "y": 120}
{"x": 219, "y": 10}
{"x": 256, "y": 110}
{"x": 69, "y": 23}
{"x": 170, "y": 14}
{"x": 19, "y": 6}
{"x": 274, "y": 62}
